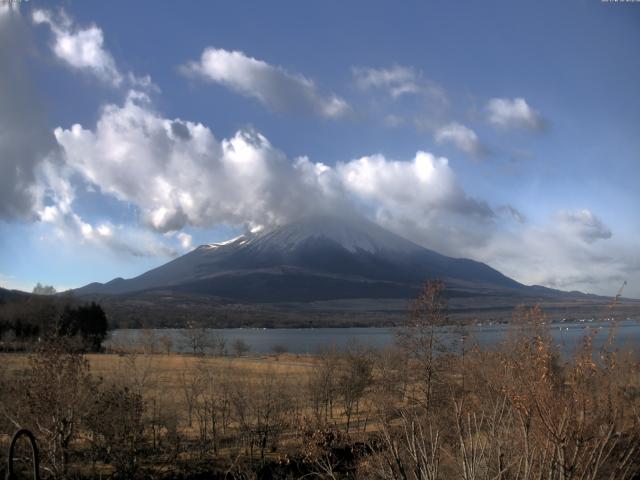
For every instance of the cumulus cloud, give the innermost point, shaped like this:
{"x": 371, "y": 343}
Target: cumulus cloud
{"x": 514, "y": 113}
{"x": 424, "y": 185}
{"x": 420, "y": 199}
{"x": 272, "y": 86}
{"x": 180, "y": 174}
{"x": 461, "y": 137}
{"x": 25, "y": 140}
{"x": 80, "y": 48}
{"x": 56, "y": 209}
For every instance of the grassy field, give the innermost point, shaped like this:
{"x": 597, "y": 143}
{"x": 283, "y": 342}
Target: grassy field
{"x": 111, "y": 366}
{"x": 167, "y": 378}
{"x": 261, "y": 405}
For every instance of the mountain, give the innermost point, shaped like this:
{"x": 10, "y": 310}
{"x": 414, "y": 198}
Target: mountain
{"x": 315, "y": 258}
{"x": 11, "y": 295}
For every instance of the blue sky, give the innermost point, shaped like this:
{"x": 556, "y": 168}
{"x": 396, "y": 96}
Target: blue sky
{"x": 502, "y": 131}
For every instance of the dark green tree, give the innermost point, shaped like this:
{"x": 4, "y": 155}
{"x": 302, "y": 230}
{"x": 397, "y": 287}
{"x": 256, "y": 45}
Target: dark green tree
{"x": 87, "y": 321}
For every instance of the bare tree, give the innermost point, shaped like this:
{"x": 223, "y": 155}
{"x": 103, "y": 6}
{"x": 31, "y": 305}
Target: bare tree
{"x": 241, "y": 347}
{"x": 194, "y": 337}
{"x": 54, "y": 396}
{"x": 137, "y": 372}
{"x": 261, "y": 411}
{"x": 148, "y": 340}
{"x": 191, "y": 385}
{"x": 211, "y": 406}
{"x": 167, "y": 343}
{"x": 115, "y": 425}
{"x": 201, "y": 340}
{"x": 420, "y": 337}
{"x": 392, "y": 380}
{"x": 411, "y": 451}
{"x": 354, "y": 377}
{"x": 217, "y": 344}
{"x": 322, "y": 385}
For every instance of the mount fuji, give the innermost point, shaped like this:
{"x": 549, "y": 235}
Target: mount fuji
{"x": 315, "y": 258}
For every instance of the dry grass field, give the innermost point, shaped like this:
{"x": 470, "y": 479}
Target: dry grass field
{"x": 111, "y": 366}
{"x": 195, "y": 406}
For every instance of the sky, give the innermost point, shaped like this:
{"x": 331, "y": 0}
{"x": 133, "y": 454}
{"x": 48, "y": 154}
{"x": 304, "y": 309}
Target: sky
{"x": 507, "y": 132}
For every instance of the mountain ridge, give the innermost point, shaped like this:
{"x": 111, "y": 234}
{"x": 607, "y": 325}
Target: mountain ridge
{"x": 352, "y": 252}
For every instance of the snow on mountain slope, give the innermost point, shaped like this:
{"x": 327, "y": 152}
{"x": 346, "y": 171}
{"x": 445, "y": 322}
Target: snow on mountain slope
{"x": 240, "y": 240}
{"x": 351, "y": 234}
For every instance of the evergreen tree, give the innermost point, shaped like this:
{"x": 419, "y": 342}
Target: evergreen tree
{"x": 88, "y": 321}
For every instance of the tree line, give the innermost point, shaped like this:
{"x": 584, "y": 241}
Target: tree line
{"x": 32, "y": 319}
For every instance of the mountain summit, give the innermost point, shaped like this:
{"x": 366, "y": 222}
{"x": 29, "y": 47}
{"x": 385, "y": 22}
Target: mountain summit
{"x": 315, "y": 258}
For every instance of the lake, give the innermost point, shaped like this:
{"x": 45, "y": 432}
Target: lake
{"x": 567, "y": 336}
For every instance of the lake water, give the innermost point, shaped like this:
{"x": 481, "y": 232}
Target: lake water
{"x": 567, "y": 336}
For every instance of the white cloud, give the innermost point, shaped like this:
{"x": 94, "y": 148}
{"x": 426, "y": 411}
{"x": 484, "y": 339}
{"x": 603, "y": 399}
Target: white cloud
{"x": 563, "y": 253}
{"x": 273, "y": 86}
{"x": 73, "y": 229}
{"x": 514, "y": 114}
{"x": 179, "y": 174}
{"x": 82, "y": 49}
{"x": 424, "y": 185}
{"x": 402, "y": 95}
{"x": 461, "y": 136}
{"x": 420, "y": 199}
{"x": 55, "y": 207}
{"x": 584, "y": 224}
{"x": 398, "y": 81}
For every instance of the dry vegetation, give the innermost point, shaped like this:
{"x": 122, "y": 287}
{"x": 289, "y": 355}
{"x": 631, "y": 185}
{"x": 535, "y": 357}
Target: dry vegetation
{"x": 415, "y": 411}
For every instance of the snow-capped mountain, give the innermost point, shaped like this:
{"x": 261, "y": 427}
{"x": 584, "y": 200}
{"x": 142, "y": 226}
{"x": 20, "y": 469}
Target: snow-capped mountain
{"x": 315, "y": 258}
